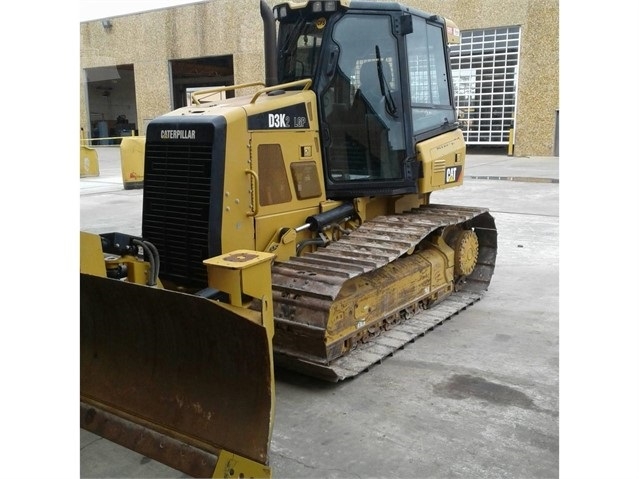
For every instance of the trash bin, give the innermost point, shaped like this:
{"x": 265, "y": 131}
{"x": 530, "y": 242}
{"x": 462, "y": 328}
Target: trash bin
{"x": 132, "y": 158}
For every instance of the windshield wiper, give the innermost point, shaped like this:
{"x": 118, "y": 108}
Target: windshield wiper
{"x": 391, "y": 107}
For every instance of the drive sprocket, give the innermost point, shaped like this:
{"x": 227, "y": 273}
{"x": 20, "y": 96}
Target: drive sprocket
{"x": 466, "y": 252}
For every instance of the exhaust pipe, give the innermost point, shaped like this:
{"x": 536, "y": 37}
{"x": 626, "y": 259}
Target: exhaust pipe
{"x": 270, "y": 47}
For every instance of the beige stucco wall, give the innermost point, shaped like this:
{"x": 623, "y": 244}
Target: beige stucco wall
{"x": 234, "y": 27}
{"x": 148, "y": 40}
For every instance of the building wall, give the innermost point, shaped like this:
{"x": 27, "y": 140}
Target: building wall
{"x": 148, "y": 40}
{"x": 221, "y": 27}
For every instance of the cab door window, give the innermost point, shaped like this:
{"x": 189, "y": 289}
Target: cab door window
{"x": 362, "y": 105}
{"x": 431, "y": 103}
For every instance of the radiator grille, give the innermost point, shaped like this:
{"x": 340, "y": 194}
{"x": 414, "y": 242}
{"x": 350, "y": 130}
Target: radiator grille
{"x": 177, "y": 192}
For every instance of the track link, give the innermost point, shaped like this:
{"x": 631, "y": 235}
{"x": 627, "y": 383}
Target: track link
{"x": 374, "y": 351}
{"x": 305, "y": 287}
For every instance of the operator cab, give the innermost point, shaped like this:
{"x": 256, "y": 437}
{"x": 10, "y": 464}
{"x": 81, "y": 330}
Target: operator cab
{"x": 382, "y": 82}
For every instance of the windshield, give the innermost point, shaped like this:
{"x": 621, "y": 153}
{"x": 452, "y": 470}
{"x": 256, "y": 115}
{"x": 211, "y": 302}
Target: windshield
{"x": 299, "y": 48}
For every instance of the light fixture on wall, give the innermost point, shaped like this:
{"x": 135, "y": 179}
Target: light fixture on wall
{"x": 106, "y": 23}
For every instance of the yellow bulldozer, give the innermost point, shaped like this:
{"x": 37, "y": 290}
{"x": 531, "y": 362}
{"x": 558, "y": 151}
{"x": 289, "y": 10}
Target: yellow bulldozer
{"x": 289, "y": 226}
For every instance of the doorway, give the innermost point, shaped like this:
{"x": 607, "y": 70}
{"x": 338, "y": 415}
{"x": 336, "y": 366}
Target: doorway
{"x": 202, "y": 72}
{"x": 111, "y": 103}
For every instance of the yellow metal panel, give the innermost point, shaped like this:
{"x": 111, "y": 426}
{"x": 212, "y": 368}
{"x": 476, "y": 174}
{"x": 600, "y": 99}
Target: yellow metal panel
{"x": 89, "y": 165}
{"x": 241, "y": 272}
{"x": 132, "y": 158}
{"x": 233, "y": 466}
{"x": 91, "y": 256}
{"x": 243, "y": 208}
{"x": 443, "y": 161}
{"x": 267, "y": 226}
{"x": 238, "y": 196}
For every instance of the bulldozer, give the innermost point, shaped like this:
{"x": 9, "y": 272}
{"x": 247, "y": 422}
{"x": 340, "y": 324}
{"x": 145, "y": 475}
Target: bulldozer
{"x": 292, "y": 227}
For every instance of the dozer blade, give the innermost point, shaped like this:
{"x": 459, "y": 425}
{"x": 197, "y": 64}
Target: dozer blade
{"x": 175, "y": 377}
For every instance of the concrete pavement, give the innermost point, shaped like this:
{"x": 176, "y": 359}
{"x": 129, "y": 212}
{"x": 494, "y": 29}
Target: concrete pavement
{"x": 477, "y": 397}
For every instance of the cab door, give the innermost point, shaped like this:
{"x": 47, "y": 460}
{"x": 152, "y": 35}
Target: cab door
{"x": 364, "y": 125}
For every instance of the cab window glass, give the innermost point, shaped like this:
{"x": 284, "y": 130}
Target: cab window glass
{"x": 362, "y": 105}
{"x": 431, "y": 103}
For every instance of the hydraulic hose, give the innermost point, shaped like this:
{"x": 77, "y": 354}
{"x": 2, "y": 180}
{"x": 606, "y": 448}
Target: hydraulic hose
{"x": 156, "y": 256}
{"x": 303, "y": 244}
{"x": 148, "y": 253}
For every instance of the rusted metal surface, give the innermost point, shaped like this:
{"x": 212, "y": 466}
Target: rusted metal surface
{"x": 195, "y": 461}
{"x": 173, "y": 376}
{"x": 306, "y": 290}
{"x": 373, "y": 352}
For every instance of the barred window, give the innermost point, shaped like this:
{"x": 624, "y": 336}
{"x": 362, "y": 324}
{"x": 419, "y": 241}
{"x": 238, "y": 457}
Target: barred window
{"x": 484, "y": 70}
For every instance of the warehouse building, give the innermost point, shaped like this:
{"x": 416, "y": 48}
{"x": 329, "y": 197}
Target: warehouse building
{"x": 506, "y": 69}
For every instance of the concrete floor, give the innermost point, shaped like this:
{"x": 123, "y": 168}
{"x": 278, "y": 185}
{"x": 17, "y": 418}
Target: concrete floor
{"x": 477, "y": 397}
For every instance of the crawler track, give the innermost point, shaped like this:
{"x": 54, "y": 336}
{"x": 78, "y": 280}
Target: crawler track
{"x": 305, "y": 288}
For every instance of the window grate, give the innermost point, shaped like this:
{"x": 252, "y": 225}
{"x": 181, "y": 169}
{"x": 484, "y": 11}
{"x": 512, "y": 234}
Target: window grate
{"x": 485, "y": 73}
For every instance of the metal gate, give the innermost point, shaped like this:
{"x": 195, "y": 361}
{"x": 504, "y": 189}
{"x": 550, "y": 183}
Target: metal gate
{"x": 485, "y": 68}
